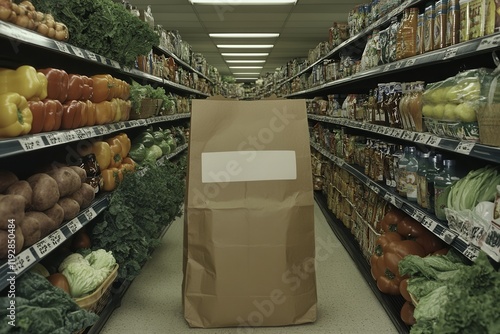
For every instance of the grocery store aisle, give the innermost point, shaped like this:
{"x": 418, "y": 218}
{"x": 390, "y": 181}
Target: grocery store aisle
{"x": 346, "y": 305}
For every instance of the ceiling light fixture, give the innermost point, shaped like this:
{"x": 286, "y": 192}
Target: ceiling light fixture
{"x": 245, "y": 46}
{"x": 245, "y": 78}
{"x": 243, "y": 2}
{"x": 244, "y": 35}
{"x": 246, "y": 61}
{"x": 243, "y": 73}
{"x": 246, "y": 67}
{"x": 242, "y": 54}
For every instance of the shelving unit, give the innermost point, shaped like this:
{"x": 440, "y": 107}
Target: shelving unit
{"x": 17, "y": 43}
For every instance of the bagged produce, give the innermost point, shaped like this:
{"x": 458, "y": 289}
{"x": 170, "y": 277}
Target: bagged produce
{"x": 249, "y": 215}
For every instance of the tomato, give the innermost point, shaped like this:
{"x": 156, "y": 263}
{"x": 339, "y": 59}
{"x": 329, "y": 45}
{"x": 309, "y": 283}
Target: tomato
{"x": 403, "y": 289}
{"x": 388, "y": 285}
{"x": 391, "y": 220}
{"x": 60, "y": 281}
{"x": 407, "y": 313}
{"x": 81, "y": 240}
{"x": 410, "y": 228}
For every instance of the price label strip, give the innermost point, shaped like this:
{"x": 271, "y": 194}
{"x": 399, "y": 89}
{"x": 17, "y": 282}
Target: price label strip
{"x": 407, "y": 135}
{"x": 398, "y": 133}
{"x": 88, "y": 215}
{"x": 429, "y": 223}
{"x": 80, "y": 133}
{"x": 434, "y": 141}
{"x": 417, "y": 215}
{"x": 74, "y": 225}
{"x": 31, "y": 143}
{"x": 471, "y": 252}
{"x": 410, "y": 62}
{"x": 77, "y": 52}
{"x": 63, "y": 47}
{"x": 393, "y": 200}
{"x": 55, "y": 138}
{"x": 450, "y": 53}
{"x": 23, "y": 261}
{"x": 47, "y": 244}
{"x": 465, "y": 147}
{"x": 489, "y": 42}
{"x": 70, "y": 136}
{"x": 373, "y": 187}
{"x": 423, "y": 138}
{"x": 91, "y": 55}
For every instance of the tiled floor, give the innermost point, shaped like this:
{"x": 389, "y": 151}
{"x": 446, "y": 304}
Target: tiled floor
{"x": 346, "y": 304}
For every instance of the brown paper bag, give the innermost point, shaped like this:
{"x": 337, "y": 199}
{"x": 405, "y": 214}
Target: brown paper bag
{"x": 249, "y": 225}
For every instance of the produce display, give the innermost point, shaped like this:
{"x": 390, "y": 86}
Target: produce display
{"x": 451, "y": 296}
{"x": 26, "y": 16}
{"x": 151, "y": 144}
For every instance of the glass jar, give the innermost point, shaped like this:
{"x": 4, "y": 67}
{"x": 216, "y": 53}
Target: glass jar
{"x": 442, "y": 183}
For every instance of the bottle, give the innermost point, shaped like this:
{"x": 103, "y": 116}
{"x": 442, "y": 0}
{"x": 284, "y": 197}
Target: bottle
{"x": 396, "y": 156}
{"x": 423, "y": 165}
{"x": 388, "y": 163}
{"x": 442, "y": 183}
{"x": 402, "y": 163}
{"x": 435, "y": 166}
{"x": 411, "y": 175}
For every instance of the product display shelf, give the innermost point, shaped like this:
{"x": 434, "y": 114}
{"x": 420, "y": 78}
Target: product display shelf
{"x": 33, "y": 254}
{"x": 463, "y": 50}
{"x": 428, "y": 220}
{"x": 182, "y": 62}
{"x": 12, "y": 146}
{"x": 465, "y": 147}
{"x": 391, "y": 304}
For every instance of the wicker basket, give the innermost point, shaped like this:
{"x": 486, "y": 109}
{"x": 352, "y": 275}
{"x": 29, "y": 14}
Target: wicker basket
{"x": 489, "y": 123}
{"x": 149, "y": 108}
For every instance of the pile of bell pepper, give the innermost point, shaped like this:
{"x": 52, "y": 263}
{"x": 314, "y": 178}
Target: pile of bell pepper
{"x": 112, "y": 156}
{"x": 50, "y": 99}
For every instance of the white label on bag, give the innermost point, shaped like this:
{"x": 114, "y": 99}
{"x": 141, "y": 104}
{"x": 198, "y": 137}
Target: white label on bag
{"x": 242, "y": 166}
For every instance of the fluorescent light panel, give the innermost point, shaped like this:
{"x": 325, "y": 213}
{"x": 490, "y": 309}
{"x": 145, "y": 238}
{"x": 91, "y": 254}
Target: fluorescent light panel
{"x": 246, "y": 61}
{"x": 246, "y": 67}
{"x": 245, "y": 54}
{"x": 243, "y": 2}
{"x": 245, "y": 78}
{"x": 243, "y": 35}
{"x": 245, "y": 46}
{"x": 243, "y": 73}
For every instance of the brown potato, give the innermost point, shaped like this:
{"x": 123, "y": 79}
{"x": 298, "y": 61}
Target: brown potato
{"x": 31, "y": 229}
{"x": 80, "y": 171}
{"x": 21, "y": 188}
{"x": 56, "y": 213}
{"x": 11, "y": 209}
{"x": 77, "y": 196}
{"x": 46, "y": 223}
{"x": 88, "y": 195}
{"x": 4, "y": 242}
{"x": 68, "y": 181}
{"x": 45, "y": 191}
{"x": 7, "y": 178}
{"x": 70, "y": 206}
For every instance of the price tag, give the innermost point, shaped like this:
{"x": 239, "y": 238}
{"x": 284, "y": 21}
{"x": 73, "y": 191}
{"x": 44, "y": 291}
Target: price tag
{"x": 380, "y": 129}
{"x": 397, "y": 133}
{"x": 54, "y": 138}
{"x": 471, "y": 252}
{"x": 450, "y": 53}
{"x": 70, "y": 136}
{"x": 121, "y": 126}
{"x": 23, "y": 261}
{"x": 31, "y": 143}
{"x": 434, "y": 141}
{"x": 398, "y": 65}
{"x": 91, "y": 55}
{"x": 429, "y": 223}
{"x": 92, "y": 132}
{"x": 417, "y": 215}
{"x": 88, "y": 215}
{"x": 63, "y": 47}
{"x": 447, "y": 236}
{"x": 393, "y": 200}
{"x": 80, "y": 133}
{"x": 465, "y": 147}
{"x": 386, "y": 68}
{"x": 407, "y": 135}
{"x": 489, "y": 42}
{"x": 340, "y": 162}
{"x": 373, "y": 187}
{"x": 410, "y": 62}
{"x": 74, "y": 225}
{"x": 423, "y": 138}
{"x": 103, "y": 129}
{"x": 387, "y": 131}
{"x": 77, "y": 52}
{"x": 47, "y": 244}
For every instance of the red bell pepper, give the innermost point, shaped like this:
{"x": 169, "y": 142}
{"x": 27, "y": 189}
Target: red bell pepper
{"x": 72, "y": 115}
{"x": 75, "y": 87}
{"x": 88, "y": 88}
{"x": 38, "y": 111}
{"x": 47, "y": 115}
{"x": 57, "y": 81}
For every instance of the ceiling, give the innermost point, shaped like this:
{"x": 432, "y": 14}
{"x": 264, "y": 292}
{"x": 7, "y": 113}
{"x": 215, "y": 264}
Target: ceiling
{"x": 301, "y": 27}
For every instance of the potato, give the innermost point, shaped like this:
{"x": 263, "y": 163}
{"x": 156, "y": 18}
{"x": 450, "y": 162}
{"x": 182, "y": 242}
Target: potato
{"x": 68, "y": 181}
{"x": 21, "y": 188}
{"x": 80, "y": 171}
{"x": 11, "y": 207}
{"x": 88, "y": 195}
{"x": 7, "y": 178}
{"x": 4, "y": 242}
{"x": 77, "y": 196}
{"x": 56, "y": 213}
{"x": 31, "y": 229}
{"x": 46, "y": 223}
{"x": 45, "y": 191}
{"x": 70, "y": 206}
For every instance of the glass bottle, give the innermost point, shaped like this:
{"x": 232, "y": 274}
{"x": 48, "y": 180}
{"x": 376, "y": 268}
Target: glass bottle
{"x": 423, "y": 164}
{"x": 411, "y": 174}
{"x": 435, "y": 165}
{"x": 442, "y": 183}
{"x": 402, "y": 163}
{"x": 388, "y": 163}
{"x": 396, "y": 156}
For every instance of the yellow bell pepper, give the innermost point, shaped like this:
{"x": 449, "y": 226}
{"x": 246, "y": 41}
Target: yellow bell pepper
{"x": 15, "y": 115}
{"x": 24, "y": 80}
{"x": 102, "y": 153}
{"x": 116, "y": 150}
{"x": 126, "y": 144}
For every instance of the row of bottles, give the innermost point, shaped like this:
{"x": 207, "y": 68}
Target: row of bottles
{"x": 420, "y": 177}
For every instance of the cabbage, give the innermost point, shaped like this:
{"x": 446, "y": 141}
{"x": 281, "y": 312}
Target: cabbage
{"x": 72, "y": 258}
{"x": 101, "y": 259}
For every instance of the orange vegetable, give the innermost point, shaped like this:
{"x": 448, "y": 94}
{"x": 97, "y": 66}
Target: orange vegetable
{"x": 126, "y": 143}
{"x": 102, "y": 153}
{"x": 103, "y": 113}
{"x": 116, "y": 150}
{"x": 102, "y": 87}
{"x": 111, "y": 177}
{"x": 91, "y": 113}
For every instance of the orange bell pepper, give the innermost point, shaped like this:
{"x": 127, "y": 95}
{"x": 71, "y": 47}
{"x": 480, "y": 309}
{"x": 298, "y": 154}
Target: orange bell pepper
{"x": 129, "y": 161}
{"x": 88, "y": 88}
{"x": 53, "y": 115}
{"x": 91, "y": 113}
{"x": 111, "y": 177}
{"x": 72, "y": 114}
{"x": 126, "y": 143}
{"x": 116, "y": 150}
{"x": 75, "y": 87}
{"x": 103, "y": 85}
{"x": 57, "y": 83}
{"x": 38, "y": 111}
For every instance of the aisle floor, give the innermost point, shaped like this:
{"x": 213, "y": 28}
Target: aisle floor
{"x": 346, "y": 305}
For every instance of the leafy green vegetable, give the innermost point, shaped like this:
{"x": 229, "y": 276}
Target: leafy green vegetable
{"x": 43, "y": 309}
{"x": 139, "y": 209}
{"x": 454, "y": 297}
{"x": 103, "y": 27}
